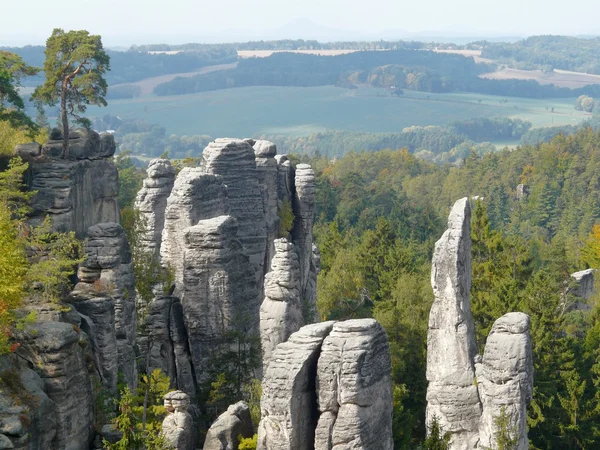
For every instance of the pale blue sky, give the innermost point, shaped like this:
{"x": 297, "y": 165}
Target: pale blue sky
{"x": 124, "y": 22}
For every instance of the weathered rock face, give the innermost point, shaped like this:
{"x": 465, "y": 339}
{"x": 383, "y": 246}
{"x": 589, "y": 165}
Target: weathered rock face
{"x": 151, "y": 202}
{"x": 354, "y": 386}
{"x": 219, "y": 288}
{"x": 27, "y": 415}
{"x": 234, "y": 160}
{"x": 304, "y": 210}
{"x": 195, "y": 196}
{"x": 310, "y": 301}
{"x": 224, "y": 432}
{"x": 281, "y": 310}
{"x": 108, "y": 271}
{"x": 505, "y": 379}
{"x": 178, "y": 426}
{"x": 285, "y": 179}
{"x": 289, "y": 411}
{"x": 78, "y": 192}
{"x": 57, "y": 353}
{"x": 583, "y": 289}
{"x": 165, "y": 343}
{"x": 466, "y": 393}
{"x": 247, "y": 180}
{"x": 97, "y": 310}
{"x": 329, "y": 387}
{"x": 266, "y": 168}
{"x": 451, "y": 348}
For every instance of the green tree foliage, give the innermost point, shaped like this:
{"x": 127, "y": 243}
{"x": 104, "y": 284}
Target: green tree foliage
{"x": 13, "y": 271}
{"x": 506, "y": 435}
{"x": 585, "y": 103}
{"x": 137, "y": 64}
{"x": 53, "y": 258}
{"x": 383, "y": 211}
{"x": 129, "y": 423}
{"x": 286, "y": 218}
{"x": 74, "y": 67}
{"x": 436, "y": 438}
{"x": 232, "y": 371}
{"x": 248, "y": 443}
{"x": 12, "y": 107}
{"x": 559, "y": 52}
{"x": 131, "y": 178}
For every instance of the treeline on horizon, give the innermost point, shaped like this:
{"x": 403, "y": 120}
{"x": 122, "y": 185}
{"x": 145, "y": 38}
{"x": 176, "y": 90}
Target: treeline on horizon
{"x": 293, "y": 44}
{"x": 417, "y": 70}
{"x": 130, "y": 66}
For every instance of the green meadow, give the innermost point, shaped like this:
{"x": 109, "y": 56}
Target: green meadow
{"x": 300, "y": 111}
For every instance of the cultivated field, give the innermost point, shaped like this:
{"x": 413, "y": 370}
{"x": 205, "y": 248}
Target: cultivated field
{"x": 267, "y": 53}
{"x": 147, "y": 85}
{"x": 301, "y": 111}
{"x": 561, "y": 78}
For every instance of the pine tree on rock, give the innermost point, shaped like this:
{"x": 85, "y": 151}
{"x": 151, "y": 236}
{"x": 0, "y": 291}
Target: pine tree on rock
{"x": 74, "y": 68}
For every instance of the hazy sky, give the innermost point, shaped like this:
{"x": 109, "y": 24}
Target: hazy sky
{"x": 124, "y": 22}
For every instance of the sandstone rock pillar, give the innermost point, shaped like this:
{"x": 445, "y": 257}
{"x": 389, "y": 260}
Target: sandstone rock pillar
{"x": 281, "y": 310}
{"x": 452, "y": 395}
{"x": 178, "y": 426}
{"x": 354, "y": 386}
{"x": 505, "y": 380}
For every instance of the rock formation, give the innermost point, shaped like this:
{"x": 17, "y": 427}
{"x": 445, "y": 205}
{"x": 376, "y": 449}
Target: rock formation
{"x": 108, "y": 270}
{"x": 71, "y": 346}
{"x": 209, "y": 254}
{"x": 451, "y": 348}
{"x": 329, "y": 387}
{"x": 234, "y": 160}
{"x": 266, "y": 168}
{"x": 285, "y": 179}
{"x": 78, "y": 192}
{"x": 310, "y": 301}
{"x": 56, "y": 351}
{"x": 466, "y": 392}
{"x": 354, "y": 386}
{"x": 97, "y": 310}
{"x": 225, "y": 431}
{"x": 281, "y": 310}
{"x": 505, "y": 379}
{"x": 304, "y": 210}
{"x": 27, "y": 415}
{"x": 151, "y": 202}
{"x": 164, "y": 343}
{"x": 219, "y": 288}
{"x": 178, "y": 426}
{"x": 289, "y": 411}
{"x": 195, "y": 196}
{"x": 582, "y": 291}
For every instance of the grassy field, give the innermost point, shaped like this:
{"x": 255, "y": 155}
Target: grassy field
{"x": 301, "y": 111}
{"x": 147, "y": 85}
{"x": 561, "y": 78}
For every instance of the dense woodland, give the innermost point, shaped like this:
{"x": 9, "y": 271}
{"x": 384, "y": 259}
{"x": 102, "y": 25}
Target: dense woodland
{"x": 547, "y": 53}
{"x": 378, "y": 218}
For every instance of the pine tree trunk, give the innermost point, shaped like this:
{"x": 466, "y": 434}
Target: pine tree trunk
{"x": 65, "y": 123}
